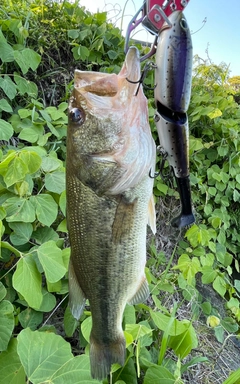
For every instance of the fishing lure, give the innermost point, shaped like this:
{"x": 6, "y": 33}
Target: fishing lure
{"x": 173, "y": 74}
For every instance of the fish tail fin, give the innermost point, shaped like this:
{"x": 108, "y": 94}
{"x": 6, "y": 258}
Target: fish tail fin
{"x": 102, "y": 356}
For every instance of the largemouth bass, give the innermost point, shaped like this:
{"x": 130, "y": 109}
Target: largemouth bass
{"x": 110, "y": 152}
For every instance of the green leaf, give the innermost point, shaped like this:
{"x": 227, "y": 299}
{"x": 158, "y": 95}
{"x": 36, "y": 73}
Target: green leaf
{"x": 157, "y": 375}
{"x": 162, "y": 187}
{"x": 5, "y": 106}
{"x": 25, "y": 86}
{"x": 220, "y": 286}
{"x": 28, "y": 282}
{"x": 234, "y": 378}
{"x": 112, "y": 54}
{"x": 215, "y": 113}
{"x": 206, "y": 307}
{"x": 6, "y": 51}
{"x": 183, "y": 344}
{"x": 19, "y": 209}
{"x": 32, "y": 159}
{"x": 55, "y": 182}
{"x": 30, "y": 318}
{"x": 208, "y": 274}
{"x": 237, "y": 285}
{"x": 86, "y": 327}
{"x": 11, "y": 369}
{"x": 188, "y": 266}
{"x": 46, "y": 208}
{"x": 212, "y": 191}
{"x": 216, "y": 176}
{"x": 6, "y": 323}
{"x": 26, "y": 59}
{"x": 3, "y": 291}
{"x": 162, "y": 322}
{"x": 32, "y": 58}
{"x": 6, "y": 130}
{"x": 21, "y": 233}
{"x": 66, "y": 256}
{"x": 44, "y": 234}
{"x": 198, "y": 235}
{"x": 48, "y": 301}
{"x": 73, "y": 33}
{"x": 50, "y": 164}
{"x": 81, "y": 52}
{"x": 62, "y": 202}
{"x": 16, "y": 171}
{"x": 219, "y": 333}
{"x": 236, "y": 195}
{"x": 18, "y": 57}
{"x": 8, "y": 86}
{"x": 129, "y": 316}
{"x": 70, "y": 372}
{"x": 29, "y": 134}
{"x": 127, "y": 374}
{"x": 137, "y": 330}
{"x": 70, "y": 323}
{"x": 47, "y": 357}
{"x": 230, "y": 324}
{"x": 50, "y": 256}
{"x": 23, "y": 113}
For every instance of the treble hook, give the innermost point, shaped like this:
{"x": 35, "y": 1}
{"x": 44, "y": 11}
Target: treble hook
{"x": 146, "y": 69}
{"x": 164, "y": 158}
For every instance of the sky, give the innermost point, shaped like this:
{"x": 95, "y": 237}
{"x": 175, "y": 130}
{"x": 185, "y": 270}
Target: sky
{"x": 220, "y": 34}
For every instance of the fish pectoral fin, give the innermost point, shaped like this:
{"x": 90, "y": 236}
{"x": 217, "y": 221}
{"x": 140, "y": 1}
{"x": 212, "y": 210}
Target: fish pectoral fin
{"x": 124, "y": 219}
{"x": 152, "y": 215}
{"x": 76, "y": 296}
{"x": 142, "y": 293}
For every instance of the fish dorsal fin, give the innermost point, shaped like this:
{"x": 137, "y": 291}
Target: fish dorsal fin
{"x": 152, "y": 215}
{"x": 142, "y": 293}
{"x": 76, "y": 295}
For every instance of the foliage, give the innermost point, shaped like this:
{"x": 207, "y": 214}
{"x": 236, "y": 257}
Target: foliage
{"x": 40, "y": 44}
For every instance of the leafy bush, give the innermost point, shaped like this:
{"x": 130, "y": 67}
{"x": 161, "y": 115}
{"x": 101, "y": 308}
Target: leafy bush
{"x": 40, "y": 45}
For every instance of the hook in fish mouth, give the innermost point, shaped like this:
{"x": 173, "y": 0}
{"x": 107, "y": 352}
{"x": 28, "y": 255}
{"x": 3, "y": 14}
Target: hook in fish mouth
{"x": 148, "y": 67}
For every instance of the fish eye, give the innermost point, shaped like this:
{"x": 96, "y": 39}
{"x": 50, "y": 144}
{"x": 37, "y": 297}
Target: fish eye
{"x": 77, "y": 115}
{"x": 184, "y": 24}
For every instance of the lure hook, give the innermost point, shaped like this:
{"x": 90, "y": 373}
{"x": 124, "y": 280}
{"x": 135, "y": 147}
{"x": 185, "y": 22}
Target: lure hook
{"x": 148, "y": 67}
{"x": 164, "y": 155}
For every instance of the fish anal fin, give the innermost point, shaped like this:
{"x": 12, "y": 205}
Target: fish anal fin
{"x": 152, "y": 215}
{"x": 102, "y": 356}
{"x": 76, "y": 295}
{"x": 142, "y": 293}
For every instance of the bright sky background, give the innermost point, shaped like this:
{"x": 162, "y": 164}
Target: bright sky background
{"x": 220, "y": 34}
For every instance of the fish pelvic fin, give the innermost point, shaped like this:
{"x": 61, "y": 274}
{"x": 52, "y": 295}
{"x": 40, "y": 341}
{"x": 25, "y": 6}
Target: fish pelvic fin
{"x": 142, "y": 293}
{"x": 152, "y": 215}
{"x": 76, "y": 295}
{"x": 102, "y": 356}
